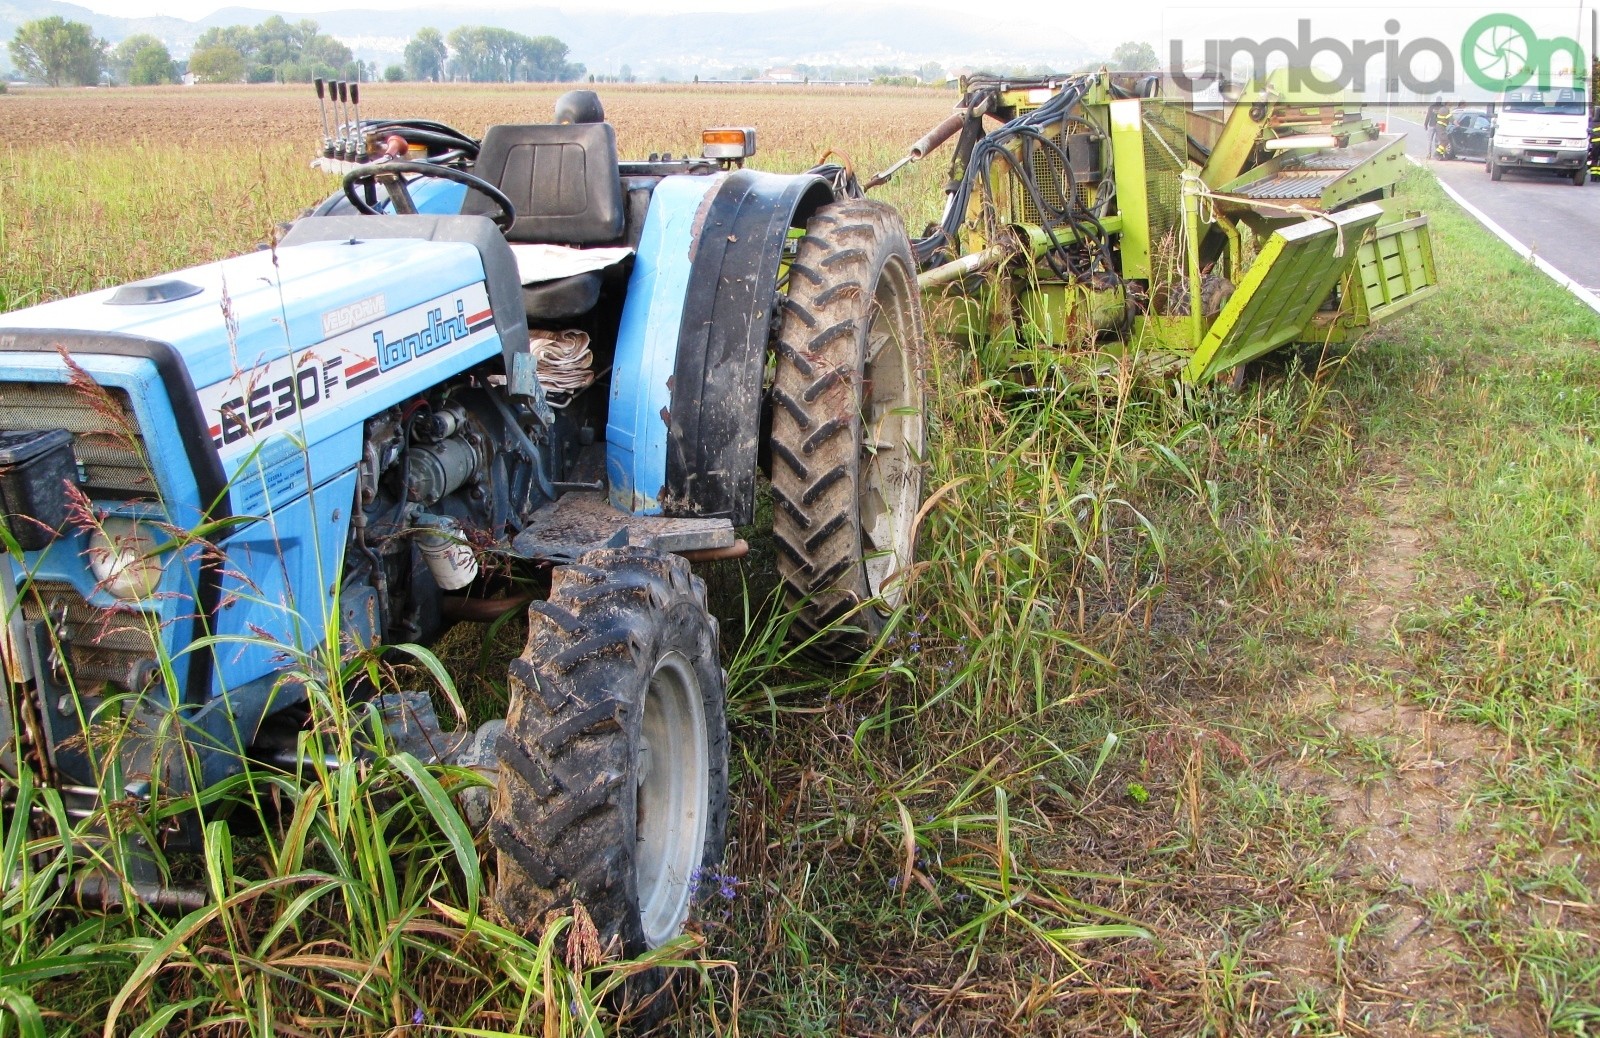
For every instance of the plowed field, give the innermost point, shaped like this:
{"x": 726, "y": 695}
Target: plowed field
{"x": 648, "y": 118}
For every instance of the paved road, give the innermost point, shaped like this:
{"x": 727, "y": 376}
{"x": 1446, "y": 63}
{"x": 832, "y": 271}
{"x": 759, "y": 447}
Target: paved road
{"x": 1546, "y": 213}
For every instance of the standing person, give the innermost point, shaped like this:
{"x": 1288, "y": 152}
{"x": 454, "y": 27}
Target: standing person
{"x": 1430, "y": 122}
{"x": 1594, "y": 143}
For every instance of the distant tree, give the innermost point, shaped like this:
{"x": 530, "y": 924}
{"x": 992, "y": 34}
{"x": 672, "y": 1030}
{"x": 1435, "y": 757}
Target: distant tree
{"x": 276, "y": 43}
{"x": 394, "y": 74}
{"x": 327, "y": 52}
{"x": 485, "y": 54}
{"x": 625, "y": 75}
{"x": 119, "y": 60}
{"x": 240, "y": 37}
{"x": 1134, "y": 56}
{"x": 426, "y": 55}
{"x": 931, "y": 72}
{"x": 152, "y": 65}
{"x": 280, "y": 50}
{"x": 217, "y": 63}
{"x": 57, "y": 51}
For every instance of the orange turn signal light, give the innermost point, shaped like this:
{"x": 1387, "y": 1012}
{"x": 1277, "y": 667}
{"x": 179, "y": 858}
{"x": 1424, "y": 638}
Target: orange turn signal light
{"x": 728, "y": 142}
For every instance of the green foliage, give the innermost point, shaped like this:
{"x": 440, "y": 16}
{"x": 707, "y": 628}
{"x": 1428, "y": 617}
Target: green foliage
{"x": 394, "y": 74}
{"x": 275, "y": 50}
{"x": 153, "y": 66}
{"x": 1135, "y": 56}
{"x": 217, "y": 63}
{"x": 55, "y": 51}
{"x": 142, "y": 60}
{"x": 483, "y": 54}
{"x": 426, "y": 55}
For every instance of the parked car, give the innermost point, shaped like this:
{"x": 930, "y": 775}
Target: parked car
{"x": 1467, "y": 135}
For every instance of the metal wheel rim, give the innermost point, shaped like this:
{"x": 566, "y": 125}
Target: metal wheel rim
{"x": 674, "y": 793}
{"x": 891, "y": 441}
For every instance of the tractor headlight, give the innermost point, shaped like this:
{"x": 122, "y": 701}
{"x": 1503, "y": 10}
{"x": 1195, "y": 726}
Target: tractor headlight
{"x": 123, "y": 558}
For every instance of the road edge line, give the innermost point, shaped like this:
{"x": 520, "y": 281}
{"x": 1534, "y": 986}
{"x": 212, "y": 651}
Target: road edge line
{"x": 1583, "y": 295}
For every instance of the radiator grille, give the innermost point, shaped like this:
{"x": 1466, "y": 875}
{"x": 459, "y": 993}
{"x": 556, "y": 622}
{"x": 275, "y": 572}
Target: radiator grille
{"x": 102, "y": 645}
{"x": 105, "y": 434}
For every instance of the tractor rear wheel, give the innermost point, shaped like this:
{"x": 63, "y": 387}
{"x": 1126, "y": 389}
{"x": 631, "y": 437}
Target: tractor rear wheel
{"x": 847, "y": 425}
{"x": 613, "y": 787}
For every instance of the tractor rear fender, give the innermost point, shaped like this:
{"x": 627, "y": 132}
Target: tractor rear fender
{"x": 686, "y": 391}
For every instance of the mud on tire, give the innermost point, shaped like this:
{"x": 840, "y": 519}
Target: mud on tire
{"x": 613, "y": 785}
{"x": 847, "y": 424}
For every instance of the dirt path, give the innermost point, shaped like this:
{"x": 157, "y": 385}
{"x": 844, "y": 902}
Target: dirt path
{"x": 1397, "y": 779}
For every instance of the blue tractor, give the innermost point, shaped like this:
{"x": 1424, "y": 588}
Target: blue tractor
{"x": 509, "y": 355}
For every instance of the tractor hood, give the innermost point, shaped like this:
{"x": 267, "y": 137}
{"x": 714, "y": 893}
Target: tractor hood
{"x": 293, "y": 346}
{"x": 232, "y": 316}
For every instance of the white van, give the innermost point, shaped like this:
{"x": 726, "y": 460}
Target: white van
{"x": 1543, "y": 130}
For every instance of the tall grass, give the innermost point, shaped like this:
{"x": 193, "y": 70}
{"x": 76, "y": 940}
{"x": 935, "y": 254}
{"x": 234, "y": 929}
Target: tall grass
{"x": 355, "y": 899}
{"x": 1008, "y": 819}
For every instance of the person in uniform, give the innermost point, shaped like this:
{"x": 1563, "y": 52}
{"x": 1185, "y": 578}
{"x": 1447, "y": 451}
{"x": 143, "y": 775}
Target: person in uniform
{"x": 1430, "y": 122}
{"x": 1594, "y": 144}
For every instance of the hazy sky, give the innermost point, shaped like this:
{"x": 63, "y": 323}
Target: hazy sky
{"x": 1099, "y": 24}
{"x": 193, "y": 9}
{"x": 1084, "y": 18}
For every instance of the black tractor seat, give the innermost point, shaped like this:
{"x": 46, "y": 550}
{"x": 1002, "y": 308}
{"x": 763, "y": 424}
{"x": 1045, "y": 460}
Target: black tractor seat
{"x": 563, "y": 298}
{"x": 562, "y": 178}
{"x": 563, "y": 181}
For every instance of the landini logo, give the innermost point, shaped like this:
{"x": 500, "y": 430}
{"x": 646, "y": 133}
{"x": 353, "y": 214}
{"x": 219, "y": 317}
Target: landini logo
{"x": 1497, "y": 52}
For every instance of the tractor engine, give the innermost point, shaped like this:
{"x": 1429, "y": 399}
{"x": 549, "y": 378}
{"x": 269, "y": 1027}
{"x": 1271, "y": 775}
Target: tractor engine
{"x": 439, "y": 483}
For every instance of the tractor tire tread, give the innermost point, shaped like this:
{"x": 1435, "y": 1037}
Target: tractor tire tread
{"x": 564, "y": 812}
{"x": 817, "y": 439}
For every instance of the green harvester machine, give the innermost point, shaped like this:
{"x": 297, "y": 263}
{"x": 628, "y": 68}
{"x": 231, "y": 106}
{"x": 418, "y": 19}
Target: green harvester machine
{"x": 1101, "y": 211}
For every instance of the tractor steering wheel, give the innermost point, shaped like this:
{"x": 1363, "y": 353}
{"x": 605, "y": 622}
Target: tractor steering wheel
{"x": 391, "y": 173}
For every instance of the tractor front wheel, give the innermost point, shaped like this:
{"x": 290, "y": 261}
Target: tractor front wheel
{"x": 613, "y": 787}
{"x": 847, "y": 425}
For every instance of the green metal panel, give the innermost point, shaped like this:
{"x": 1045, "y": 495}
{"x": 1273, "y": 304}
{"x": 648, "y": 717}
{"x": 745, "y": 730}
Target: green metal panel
{"x": 1393, "y": 271}
{"x": 1127, "y": 158}
{"x": 1395, "y": 267}
{"x": 1292, "y": 276}
{"x": 1058, "y": 314}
